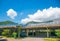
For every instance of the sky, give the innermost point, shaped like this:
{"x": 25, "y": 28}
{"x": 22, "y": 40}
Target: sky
{"x": 23, "y": 11}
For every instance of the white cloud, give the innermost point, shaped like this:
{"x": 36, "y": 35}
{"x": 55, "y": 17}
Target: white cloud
{"x": 11, "y": 13}
{"x": 44, "y": 15}
{"x": 25, "y": 20}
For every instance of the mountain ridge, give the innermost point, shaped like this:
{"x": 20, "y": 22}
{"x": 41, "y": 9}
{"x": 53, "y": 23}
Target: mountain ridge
{"x": 7, "y": 22}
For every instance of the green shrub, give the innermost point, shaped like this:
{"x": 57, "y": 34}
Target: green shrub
{"x": 6, "y": 32}
{"x": 58, "y": 33}
{"x": 14, "y": 34}
{"x": 3, "y": 33}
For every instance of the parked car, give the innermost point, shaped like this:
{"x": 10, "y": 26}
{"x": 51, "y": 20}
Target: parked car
{"x": 23, "y": 34}
{"x": 1, "y": 39}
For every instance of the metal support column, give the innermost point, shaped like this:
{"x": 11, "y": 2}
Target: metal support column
{"x": 47, "y": 33}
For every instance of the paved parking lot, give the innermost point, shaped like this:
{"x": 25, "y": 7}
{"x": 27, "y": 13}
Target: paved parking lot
{"x": 27, "y": 39}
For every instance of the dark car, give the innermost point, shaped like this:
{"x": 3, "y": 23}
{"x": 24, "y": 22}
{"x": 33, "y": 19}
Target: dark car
{"x": 3, "y": 39}
{"x": 23, "y": 34}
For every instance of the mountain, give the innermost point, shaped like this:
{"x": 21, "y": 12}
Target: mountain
{"x": 55, "y": 21}
{"x": 40, "y": 22}
{"x": 8, "y": 23}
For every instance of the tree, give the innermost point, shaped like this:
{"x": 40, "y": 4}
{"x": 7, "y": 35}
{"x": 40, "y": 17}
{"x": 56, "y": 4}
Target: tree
{"x": 19, "y": 31}
{"x": 3, "y": 34}
{"x": 58, "y": 33}
{"x": 14, "y": 34}
{"x": 6, "y": 32}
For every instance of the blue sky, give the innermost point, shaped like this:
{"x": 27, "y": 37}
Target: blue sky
{"x": 24, "y": 8}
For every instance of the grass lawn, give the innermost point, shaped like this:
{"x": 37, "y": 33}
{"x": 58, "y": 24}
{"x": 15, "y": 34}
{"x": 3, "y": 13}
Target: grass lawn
{"x": 52, "y": 39}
